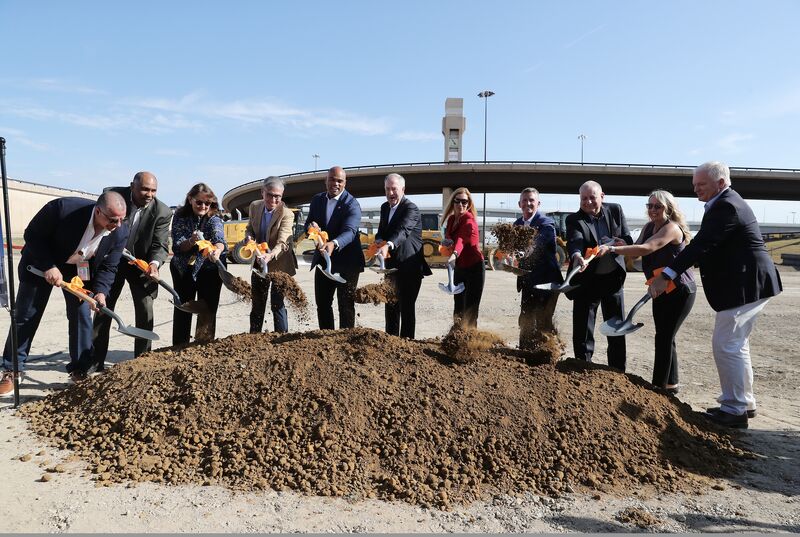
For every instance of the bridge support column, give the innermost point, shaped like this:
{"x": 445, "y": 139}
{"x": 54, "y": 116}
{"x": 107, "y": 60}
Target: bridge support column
{"x": 446, "y": 193}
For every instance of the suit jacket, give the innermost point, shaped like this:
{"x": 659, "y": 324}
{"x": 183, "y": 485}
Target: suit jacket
{"x": 53, "y": 235}
{"x": 463, "y": 232}
{"x": 581, "y": 234}
{"x": 405, "y": 233}
{"x": 343, "y": 226}
{"x": 151, "y": 237}
{"x": 543, "y": 262}
{"x": 734, "y": 264}
{"x": 279, "y": 235}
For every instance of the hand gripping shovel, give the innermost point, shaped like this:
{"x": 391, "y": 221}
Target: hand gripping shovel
{"x": 205, "y": 247}
{"x": 450, "y": 288}
{"x": 620, "y": 327}
{"x": 193, "y": 306}
{"x": 320, "y": 237}
{"x": 250, "y": 251}
{"x": 510, "y": 266}
{"x": 372, "y": 251}
{"x": 565, "y": 287}
{"x": 76, "y": 289}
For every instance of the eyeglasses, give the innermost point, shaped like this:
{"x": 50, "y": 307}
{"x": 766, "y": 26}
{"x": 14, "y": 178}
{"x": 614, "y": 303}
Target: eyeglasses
{"x": 461, "y": 201}
{"x": 654, "y": 206}
{"x": 116, "y": 221}
{"x": 204, "y": 203}
{"x": 274, "y": 196}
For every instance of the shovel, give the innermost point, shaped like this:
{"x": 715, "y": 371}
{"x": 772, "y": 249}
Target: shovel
{"x": 381, "y": 268}
{"x": 226, "y": 277}
{"x": 192, "y": 306}
{"x": 510, "y": 267}
{"x": 620, "y": 327}
{"x": 122, "y": 327}
{"x": 566, "y": 287}
{"x": 320, "y": 237}
{"x": 450, "y": 288}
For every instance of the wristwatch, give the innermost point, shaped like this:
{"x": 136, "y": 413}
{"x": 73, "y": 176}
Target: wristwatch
{"x": 612, "y": 249}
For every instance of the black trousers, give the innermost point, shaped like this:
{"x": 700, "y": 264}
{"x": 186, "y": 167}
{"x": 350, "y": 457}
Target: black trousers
{"x": 261, "y": 288}
{"x": 401, "y": 318}
{"x": 143, "y": 292}
{"x": 584, "y": 312}
{"x": 669, "y": 312}
{"x": 536, "y": 314}
{"x": 466, "y": 305}
{"x": 325, "y": 288}
{"x": 206, "y": 288}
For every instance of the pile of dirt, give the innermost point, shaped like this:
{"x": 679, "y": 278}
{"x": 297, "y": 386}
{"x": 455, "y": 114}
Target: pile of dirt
{"x": 290, "y": 289}
{"x": 638, "y": 517}
{"x": 384, "y": 292}
{"x": 511, "y": 238}
{"x": 241, "y": 288}
{"x": 359, "y": 413}
{"x": 463, "y": 344}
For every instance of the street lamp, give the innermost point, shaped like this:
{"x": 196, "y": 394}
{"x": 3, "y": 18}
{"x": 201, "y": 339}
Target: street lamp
{"x": 315, "y": 157}
{"x": 581, "y": 137}
{"x": 485, "y": 94}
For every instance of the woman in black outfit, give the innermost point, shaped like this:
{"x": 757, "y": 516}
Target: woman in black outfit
{"x": 662, "y": 238}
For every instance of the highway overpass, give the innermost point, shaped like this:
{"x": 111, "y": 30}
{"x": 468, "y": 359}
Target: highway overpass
{"x": 513, "y": 176}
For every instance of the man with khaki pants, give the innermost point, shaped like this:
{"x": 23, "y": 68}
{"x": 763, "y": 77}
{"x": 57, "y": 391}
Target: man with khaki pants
{"x": 271, "y": 222}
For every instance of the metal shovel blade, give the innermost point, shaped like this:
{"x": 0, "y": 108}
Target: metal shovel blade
{"x": 619, "y": 327}
{"x": 225, "y": 276}
{"x": 381, "y": 268}
{"x": 262, "y": 272}
{"x": 450, "y": 288}
{"x": 327, "y": 270}
{"x": 129, "y": 330}
{"x": 513, "y": 270}
{"x": 560, "y": 287}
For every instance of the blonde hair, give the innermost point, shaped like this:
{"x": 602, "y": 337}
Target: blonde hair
{"x": 449, "y": 209}
{"x": 671, "y": 211}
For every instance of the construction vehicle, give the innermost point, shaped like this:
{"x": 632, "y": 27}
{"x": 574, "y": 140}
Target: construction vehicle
{"x": 235, "y": 235}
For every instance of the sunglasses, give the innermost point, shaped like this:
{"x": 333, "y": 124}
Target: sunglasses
{"x": 461, "y": 201}
{"x": 115, "y": 221}
{"x": 204, "y": 203}
{"x": 654, "y": 206}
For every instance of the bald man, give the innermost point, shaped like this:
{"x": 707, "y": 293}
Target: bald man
{"x": 68, "y": 237}
{"x": 148, "y": 220}
{"x": 597, "y": 222}
{"x": 338, "y": 213}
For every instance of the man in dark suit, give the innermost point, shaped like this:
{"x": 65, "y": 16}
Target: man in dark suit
{"x": 68, "y": 237}
{"x": 739, "y": 278}
{"x": 601, "y": 281}
{"x": 338, "y": 213}
{"x": 400, "y": 229}
{"x": 537, "y": 306}
{"x": 148, "y": 220}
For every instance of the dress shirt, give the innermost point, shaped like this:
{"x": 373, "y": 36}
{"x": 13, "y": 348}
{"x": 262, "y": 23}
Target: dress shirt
{"x": 88, "y": 244}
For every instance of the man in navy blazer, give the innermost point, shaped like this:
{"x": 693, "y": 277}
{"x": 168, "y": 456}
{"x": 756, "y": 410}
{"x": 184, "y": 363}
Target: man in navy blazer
{"x": 601, "y": 281}
{"x": 338, "y": 213}
{"x": 537, "y": 306}
{"x": 400, "y": 228}
{"x": 66, "y": 238}
{"x": 739, "y": 278}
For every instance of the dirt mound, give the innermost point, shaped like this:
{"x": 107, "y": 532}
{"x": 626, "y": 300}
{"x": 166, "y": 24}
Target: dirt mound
{"x": 463, "y": 344}
{"x": 359, "y": 413}
{"x": 377, "y": 293}
{"x": 511, "y": 238}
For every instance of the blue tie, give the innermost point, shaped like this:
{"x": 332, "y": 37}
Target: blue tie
{"x": 262, "y": 232}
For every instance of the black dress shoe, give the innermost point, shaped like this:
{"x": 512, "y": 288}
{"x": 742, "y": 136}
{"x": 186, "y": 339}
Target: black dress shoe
{"x": 750, "y": 413}
{"x": 728, "y": 420}
{"x": 70, "y": 367}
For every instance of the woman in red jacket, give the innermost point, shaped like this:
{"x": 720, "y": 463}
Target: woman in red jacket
{"x": 461, "y": 233}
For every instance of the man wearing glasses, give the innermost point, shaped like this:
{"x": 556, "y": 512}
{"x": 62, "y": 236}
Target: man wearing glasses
{"x": 148, "y": 220}
{"x": 68, "y": 237}
{"x": 270, "y": 222}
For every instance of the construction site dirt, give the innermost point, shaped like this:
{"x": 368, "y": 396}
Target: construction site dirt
{"x": 360, "y": 431}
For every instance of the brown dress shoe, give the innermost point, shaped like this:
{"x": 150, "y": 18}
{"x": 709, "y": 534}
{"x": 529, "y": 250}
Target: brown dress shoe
{"x": 728, "y": 420}
{"x": 7, "y": 382}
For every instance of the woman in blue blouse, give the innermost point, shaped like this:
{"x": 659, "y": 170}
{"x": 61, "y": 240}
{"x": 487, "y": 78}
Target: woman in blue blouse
{"x": 192, "y": 274}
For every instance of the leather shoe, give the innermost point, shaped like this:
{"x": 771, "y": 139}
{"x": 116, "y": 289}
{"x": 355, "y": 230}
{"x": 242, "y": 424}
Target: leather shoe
{"x": 728, "y": 420}
{"x": 713, "y": 410}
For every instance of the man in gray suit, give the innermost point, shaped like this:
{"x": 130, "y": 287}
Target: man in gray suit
{"x": 148, "y": 220}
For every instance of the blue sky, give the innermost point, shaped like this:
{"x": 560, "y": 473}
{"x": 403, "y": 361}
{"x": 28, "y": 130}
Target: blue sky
{"x": 91, "y": 92}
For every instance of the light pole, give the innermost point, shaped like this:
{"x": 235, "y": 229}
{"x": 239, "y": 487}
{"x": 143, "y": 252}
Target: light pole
{"x": 485, "y": 94}
{"x": 581, "y": 137}
{"x": 793, "y": 213}
{"x": 315, "y": 157}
